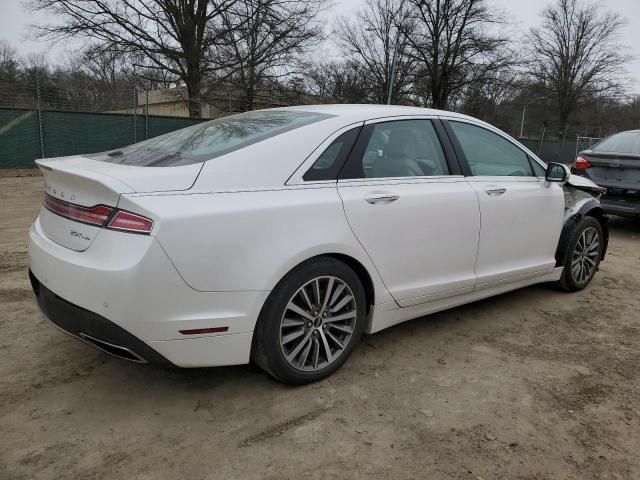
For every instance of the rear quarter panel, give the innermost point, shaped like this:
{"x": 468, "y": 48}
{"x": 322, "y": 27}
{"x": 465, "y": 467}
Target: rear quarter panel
{"x": 249, "y": 240}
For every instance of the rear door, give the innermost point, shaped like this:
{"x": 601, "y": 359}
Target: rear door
{"x": 521, "y": 214}
{"x": 412, "y": 210}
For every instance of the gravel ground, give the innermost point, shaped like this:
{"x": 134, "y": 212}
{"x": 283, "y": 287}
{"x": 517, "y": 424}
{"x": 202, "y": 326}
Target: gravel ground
{"x": 534, "y": 384}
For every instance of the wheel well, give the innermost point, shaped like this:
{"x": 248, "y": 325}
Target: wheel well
{"x": 565, "y": 237}
{"x": 361, "y": 272}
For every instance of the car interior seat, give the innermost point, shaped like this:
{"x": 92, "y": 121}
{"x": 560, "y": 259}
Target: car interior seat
{"x": 399, "y": 158}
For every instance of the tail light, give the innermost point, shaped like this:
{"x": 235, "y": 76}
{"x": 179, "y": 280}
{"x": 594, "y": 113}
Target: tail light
{"x": 100, "y": 216}
{"x": 97, "y": 215}
{"x": 582, "y": 163}
{"x": 130, "y": 222}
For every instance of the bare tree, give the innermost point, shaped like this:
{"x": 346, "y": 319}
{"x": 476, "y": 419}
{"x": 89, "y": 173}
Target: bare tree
{"x": 12, "y": 91}
{"x": 96, "y": 79}
{"x": 575, "y": 54}
{"x": 456, "y": 46}
{"x": 107, "y": 65}
{"x": 8, "y": 62}
{"x": 170, "y": 35}
{"x": 342, "y": 81}
{"x": 35, "y": 63}
{"x": 484, "y": 98}
{"x": 368, "y": 42}
{"x": 265, "y": 39}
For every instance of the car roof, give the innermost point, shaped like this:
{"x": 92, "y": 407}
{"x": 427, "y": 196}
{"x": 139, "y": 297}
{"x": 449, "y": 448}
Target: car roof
{"x": 358, "y": 112}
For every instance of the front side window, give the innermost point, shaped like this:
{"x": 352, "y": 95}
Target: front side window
{"x": 403, "y": 148}
{"x": 489, "y": 154}
{"x": 538, "y": 170}
{"x": 211, "y": 139}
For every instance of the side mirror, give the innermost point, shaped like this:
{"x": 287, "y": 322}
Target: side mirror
{"x": 557, "y": 172}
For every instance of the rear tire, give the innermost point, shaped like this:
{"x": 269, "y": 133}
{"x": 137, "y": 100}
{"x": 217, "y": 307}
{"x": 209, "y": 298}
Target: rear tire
{"x": 310, "y": 322}
{"x": 583, "y": 255}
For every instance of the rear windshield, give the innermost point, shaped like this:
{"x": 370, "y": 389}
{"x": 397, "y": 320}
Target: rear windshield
{"x": 211, "y": 139}
{"x": 626, "y": 142}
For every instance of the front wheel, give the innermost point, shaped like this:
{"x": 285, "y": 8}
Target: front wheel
{"x": 583, "y": 255}
{"x": 311, "y": 322}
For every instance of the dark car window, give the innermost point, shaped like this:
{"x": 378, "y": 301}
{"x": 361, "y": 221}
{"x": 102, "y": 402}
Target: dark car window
{"x": 211, "y": 139}
{"x": 625, "y": 142}
{"x": 489, "y": 154}
{"x": 403, "y": 148}
{"x": 329, "y": 163}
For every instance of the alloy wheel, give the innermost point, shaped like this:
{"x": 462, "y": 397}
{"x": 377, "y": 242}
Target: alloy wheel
{"x": 318, "y": 323}
{"x": 585, "y": 255}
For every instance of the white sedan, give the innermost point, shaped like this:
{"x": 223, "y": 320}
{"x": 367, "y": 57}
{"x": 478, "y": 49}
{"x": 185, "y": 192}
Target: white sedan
{"x": 282, "y": 235}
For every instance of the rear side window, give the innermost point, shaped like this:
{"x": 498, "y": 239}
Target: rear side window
{"x": 625, "y": 142}
{"x": 489, "y": 154}
{"x": 330, "y": 162}
{"x": 211, "y": 139}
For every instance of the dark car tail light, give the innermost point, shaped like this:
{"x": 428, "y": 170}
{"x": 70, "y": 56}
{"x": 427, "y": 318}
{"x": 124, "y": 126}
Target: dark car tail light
{"x": 582, "y": 163}
{"x": 99, "y": 216}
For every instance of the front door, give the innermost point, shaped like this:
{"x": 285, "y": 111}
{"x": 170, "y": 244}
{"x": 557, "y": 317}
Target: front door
{"x": 521, "y": 214}
{"x": 417, "y": 221}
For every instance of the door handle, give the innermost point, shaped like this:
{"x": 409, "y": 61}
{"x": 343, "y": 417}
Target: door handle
{"x": 381, "y": 197}
{"x": 491, "y": 190}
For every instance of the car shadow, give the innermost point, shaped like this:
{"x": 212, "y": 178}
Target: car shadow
{"x": 624, "y": 225}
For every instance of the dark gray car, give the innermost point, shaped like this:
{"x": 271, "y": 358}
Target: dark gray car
{"x": 614, "y": 163}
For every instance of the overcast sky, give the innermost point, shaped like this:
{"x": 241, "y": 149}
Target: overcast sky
{"x": 526, "y": 13}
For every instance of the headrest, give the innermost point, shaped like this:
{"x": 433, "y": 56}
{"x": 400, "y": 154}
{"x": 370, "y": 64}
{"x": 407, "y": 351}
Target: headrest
{"x": 402, "y": 142}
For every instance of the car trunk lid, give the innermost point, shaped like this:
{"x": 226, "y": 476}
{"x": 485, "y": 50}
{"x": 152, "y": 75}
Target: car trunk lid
{"x": 80, "y": 184}
{"x": 614, "y": 170}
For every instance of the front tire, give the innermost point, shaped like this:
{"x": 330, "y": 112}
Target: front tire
{"x": 310, "y": 322}
{"x": 583, "y": 255}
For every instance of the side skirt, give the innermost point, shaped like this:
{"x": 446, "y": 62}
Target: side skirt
{"x": 385, "y": 315}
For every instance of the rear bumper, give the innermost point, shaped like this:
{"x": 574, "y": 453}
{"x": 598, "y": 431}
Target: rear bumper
{"x": 621, "y": 206}
{"x": 123, "y": 291}
{"x": 92, "y": 328}
{"x": 620, "y": 198}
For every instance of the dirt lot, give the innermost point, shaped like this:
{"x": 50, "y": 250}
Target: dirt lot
{"x": 534, "y": 384}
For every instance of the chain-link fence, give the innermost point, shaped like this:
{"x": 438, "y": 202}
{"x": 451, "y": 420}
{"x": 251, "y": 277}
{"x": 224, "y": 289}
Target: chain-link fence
{"x": 43, "y": 118}
{"x": 40, "y": 119}
{"x": 562, "y": 151}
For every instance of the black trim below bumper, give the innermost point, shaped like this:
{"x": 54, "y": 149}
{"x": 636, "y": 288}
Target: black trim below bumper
{"x": 92, "y": 328}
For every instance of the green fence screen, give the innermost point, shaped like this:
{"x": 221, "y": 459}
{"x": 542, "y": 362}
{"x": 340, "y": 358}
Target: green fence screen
{"x": 26, "y": 135}
{"x": 553, "y": 150}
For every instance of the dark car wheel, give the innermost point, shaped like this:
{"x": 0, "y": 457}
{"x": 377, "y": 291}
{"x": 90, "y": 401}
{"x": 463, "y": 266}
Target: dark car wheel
{"x": 310, "y": 322}
{"x": 583, "y": 255}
